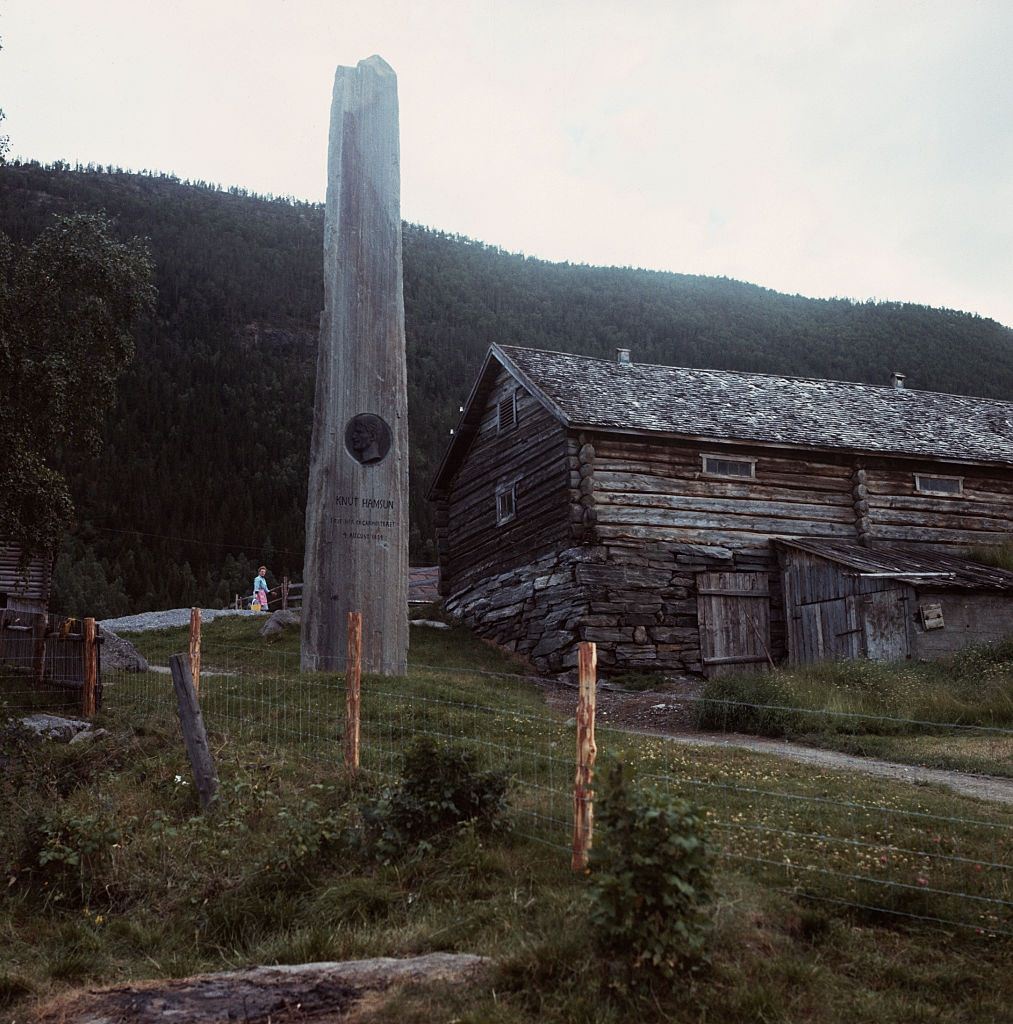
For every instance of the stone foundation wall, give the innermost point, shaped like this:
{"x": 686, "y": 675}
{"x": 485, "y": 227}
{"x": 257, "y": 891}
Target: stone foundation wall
{"x": 642, "y": 603}
{"x": 637, "y": 604}
{"x": 534, "y": 610}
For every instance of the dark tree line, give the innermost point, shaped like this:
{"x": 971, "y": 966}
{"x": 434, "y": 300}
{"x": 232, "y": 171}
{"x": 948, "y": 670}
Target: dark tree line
{"x": 204, "y": 470}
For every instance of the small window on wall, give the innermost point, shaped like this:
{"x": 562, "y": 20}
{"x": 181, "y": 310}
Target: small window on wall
{"x": 506, "y": 504}
{"x": 506, "y": 413}
{"x": 950, "y": 485}
{"x": 719, "y": 465}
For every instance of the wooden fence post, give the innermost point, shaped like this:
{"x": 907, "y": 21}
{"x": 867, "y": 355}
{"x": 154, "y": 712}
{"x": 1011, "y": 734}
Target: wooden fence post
{"x": 39, "y": 653}
{"x": 195, "y": 624}
{"x": 89, "y": 689}
{"x": 195, "y": 736}
{"x": 353, "y": 691}
{"x": 583, "y": 795}
{"x": 284, "y": 593}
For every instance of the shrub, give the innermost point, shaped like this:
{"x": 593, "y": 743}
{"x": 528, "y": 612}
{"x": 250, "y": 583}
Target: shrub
{"x": 70, "y": 852}
{"x": 441, "y": 788}
{"x": 650, "y": 883}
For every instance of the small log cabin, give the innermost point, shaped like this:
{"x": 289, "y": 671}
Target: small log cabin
{"x": 23, "y": 588}
{"x": 638, "y": 506}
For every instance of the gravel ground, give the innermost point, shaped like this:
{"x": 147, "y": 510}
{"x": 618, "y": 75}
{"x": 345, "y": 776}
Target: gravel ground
{"x": 166, "y": 619}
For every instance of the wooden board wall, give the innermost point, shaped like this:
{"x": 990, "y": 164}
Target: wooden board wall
{"x": 533, "y": 454}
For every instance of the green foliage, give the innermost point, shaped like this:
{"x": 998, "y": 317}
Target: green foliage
{"x": 637, "y": 681}
{"x": 71, "y": 851}
{"x": 1000, "y": 555}
{"x": 923, "y": 713}
{"x": 973, "y": 687}
{"x": 309, "y": 831}
{"x": 207, "y": 451}
{"x": 80, "y": 586}
{"x": 440, "y": 790}
{"x": 651, "y": 880}
{"x": 70, "y": 302}
{"x": 263, "y": 880}
{"x": 13, "y": 988}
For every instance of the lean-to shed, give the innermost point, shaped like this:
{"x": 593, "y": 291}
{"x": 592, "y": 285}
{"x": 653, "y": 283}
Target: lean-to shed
{"x": 888, "y": 603}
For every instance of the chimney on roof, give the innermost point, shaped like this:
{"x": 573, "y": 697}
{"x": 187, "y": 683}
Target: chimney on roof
{"x": 897, "y": 379}
{"x": 623, "y": 356}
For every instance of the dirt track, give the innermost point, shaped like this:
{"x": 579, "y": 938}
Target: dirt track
{"x": 668, "y": 713}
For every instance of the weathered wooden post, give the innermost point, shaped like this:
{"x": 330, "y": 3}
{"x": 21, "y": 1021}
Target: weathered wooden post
{"x": 583, "y": 795}
{"x": 195, "y": 736}
{"x": 284, "y": 593}
{"x": 89, "y": 688}
{"x": 357, "y": 501}
{"x": 39, "y": 649}
{"x": 195, "y": 628}
{"x": 353, "y": 691}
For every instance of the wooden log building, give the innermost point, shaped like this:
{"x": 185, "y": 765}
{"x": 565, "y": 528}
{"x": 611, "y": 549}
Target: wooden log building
{"x": 638, "y": 506}
{"x": 23, "y": 588}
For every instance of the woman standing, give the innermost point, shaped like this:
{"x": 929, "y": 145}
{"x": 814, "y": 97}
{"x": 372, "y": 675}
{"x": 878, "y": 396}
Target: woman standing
{"x": 260, "y": 588}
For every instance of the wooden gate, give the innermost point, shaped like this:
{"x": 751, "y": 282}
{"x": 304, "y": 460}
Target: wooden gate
{"x": 734, "y": 615}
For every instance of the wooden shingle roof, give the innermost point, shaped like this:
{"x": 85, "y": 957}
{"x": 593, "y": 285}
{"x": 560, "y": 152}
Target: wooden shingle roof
{"x": 726, "y": 405}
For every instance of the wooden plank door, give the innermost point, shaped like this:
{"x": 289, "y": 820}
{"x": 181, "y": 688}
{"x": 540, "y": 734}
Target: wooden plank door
{"x": 734, "y": 616}
{"x": 884, "y": 625}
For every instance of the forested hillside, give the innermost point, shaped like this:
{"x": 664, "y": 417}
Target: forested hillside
{"x": 204, "y": 470}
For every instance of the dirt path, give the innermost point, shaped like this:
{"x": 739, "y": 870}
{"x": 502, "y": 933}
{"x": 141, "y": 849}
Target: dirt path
{"x": 668, "y": 714}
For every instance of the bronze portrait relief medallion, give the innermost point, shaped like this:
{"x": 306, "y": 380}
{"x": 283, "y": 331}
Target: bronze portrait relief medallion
{"x": 367, "y": 438}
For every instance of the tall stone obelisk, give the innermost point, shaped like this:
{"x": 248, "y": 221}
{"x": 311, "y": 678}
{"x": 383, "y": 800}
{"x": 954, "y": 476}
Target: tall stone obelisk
{"x": 357, "y": 504}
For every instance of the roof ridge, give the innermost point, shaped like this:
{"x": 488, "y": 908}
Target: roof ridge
{"x": 770, "y": 376}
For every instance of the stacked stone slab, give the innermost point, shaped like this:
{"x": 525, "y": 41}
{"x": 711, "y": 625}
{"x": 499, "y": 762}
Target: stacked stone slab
{"x": 357, "y": 503}
{"x": 638, "y": 605}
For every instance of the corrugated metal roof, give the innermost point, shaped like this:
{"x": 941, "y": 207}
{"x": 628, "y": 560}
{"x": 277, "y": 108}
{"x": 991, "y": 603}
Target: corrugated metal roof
{"x": 721, "y": 404}
{"x": 908, "y": 565}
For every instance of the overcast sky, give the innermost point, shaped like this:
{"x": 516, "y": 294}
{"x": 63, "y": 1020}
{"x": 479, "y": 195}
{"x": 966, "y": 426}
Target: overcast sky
{"x": 862, "y": 149}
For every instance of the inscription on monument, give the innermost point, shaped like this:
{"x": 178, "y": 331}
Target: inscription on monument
{"x": 364, "y": 526}
{"x": 367, "y": 438}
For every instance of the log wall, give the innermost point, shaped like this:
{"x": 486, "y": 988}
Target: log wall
{"x": 23, "y": 589}
{"x": 533, "y": 454}
{"x": 981, "y": 515}
{"x": 657, "y": 491}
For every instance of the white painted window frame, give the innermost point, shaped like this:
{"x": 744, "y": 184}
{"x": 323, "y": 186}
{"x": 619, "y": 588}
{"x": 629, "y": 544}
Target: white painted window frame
{"x": 919, "y": 477}
{"x": 704, "y": 456}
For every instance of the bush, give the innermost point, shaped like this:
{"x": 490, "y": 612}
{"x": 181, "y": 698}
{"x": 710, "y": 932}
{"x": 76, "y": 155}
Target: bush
{"x": 441, "y": 788}
{"x": 650, "y": 883}
{"x": 69, "y": 854}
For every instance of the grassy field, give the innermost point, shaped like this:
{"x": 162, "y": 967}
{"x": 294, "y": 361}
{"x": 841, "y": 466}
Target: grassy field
{"x": 954, "y": 714}
{"x": 112, "y": 873}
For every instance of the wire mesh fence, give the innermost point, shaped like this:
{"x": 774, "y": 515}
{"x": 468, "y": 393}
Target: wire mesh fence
{"x": 44, "y": 663}
{"x": 826, "y": 833}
